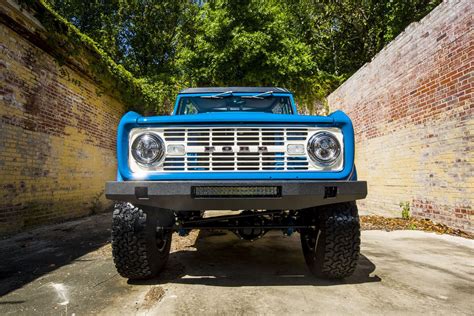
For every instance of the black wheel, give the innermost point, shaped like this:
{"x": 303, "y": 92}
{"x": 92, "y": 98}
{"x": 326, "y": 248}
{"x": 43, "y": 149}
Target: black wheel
{"x": 332, "y": 248}
{"x": 140, "y": 245}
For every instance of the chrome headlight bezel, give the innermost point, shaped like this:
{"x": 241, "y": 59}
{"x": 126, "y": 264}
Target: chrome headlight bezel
{"x": 312, "y": 148}
{"x": 158, "y": 159}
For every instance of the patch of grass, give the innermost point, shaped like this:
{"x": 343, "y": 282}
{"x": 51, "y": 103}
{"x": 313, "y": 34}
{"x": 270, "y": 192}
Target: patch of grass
{"x": 96, "y": 206}
{"x": 412, "y": 226}
{"x": 405, "y": 209}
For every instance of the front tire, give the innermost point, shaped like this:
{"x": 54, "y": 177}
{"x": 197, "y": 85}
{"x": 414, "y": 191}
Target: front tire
{"x": 332, "y": 248}
{"x": 140, "y": 245}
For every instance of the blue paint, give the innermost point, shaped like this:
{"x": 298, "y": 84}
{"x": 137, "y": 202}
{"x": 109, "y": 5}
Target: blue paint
{"x": 234, "y": 117}
{"x": 353, "y": 177}
{"x": 183, "y": 232}
{"x": 289, "y": 231}
{"x": 337, "y": 119}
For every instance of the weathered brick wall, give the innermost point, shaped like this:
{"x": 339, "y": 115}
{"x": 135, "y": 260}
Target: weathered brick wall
{"x": 57, "y": 135}
{"x": 412, "y": 109}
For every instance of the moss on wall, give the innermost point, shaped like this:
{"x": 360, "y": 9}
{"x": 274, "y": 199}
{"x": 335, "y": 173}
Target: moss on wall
{"x": 68, "y": 45}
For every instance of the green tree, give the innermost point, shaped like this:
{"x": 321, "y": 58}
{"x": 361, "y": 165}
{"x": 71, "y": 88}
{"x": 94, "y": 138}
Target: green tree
{"x": 139, "y": 34}
{"x": 345, "y": 34}
{"x": 252, "y": 43}
{"x": 308, "y": 46}
{"x": 98, "y": 19}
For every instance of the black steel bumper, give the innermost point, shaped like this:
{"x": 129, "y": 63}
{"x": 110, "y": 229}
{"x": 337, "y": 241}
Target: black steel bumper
{"x": 211, "y": 195}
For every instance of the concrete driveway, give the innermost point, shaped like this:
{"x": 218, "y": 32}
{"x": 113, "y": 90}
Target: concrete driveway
{"x": 67, "y": 268}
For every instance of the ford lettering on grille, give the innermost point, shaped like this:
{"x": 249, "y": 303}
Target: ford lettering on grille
{"x": 236, "y": 149}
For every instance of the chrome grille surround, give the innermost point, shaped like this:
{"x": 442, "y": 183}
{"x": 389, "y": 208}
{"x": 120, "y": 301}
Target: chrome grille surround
{"x": 236, "y": 149}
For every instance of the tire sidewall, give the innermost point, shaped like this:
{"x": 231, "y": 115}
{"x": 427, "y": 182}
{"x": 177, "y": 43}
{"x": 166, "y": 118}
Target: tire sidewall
{"x": 328, "y": 228}
{"x": 156, "y": 258}
{"x": 134, "y": 240}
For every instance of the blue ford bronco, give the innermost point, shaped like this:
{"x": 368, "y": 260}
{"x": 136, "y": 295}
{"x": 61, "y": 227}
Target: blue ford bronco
{"x": 242, "y": 149}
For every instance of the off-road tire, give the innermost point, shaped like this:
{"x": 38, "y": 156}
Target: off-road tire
{"x": 331, "y": 250}
{"x": 139, "y": 250}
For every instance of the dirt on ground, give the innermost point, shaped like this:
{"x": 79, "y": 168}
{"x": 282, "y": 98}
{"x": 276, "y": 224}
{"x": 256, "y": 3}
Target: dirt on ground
{"x": 153, "y": 296}
{"x": 375, "y": 222}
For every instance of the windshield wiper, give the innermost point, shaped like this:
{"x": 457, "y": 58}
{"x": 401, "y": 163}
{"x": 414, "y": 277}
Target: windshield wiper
{"x": 258, "y": 96}
{"x": 217, "y": 96}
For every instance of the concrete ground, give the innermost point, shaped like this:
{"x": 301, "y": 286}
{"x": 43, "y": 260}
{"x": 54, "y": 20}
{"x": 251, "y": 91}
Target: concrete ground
{"x": 68, "y": 269}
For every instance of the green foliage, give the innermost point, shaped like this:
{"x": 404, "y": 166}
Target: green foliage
{"x": 345, "y": 34}
{"x": 405, "y": 206}
{"x": 67, "y": 41}
{"x": 252, "y": 43}
{"x": 139, "y": 34}
{"x": 308, "y": 46}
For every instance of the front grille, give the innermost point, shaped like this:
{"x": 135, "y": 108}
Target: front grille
{"x": 236, "y": 149}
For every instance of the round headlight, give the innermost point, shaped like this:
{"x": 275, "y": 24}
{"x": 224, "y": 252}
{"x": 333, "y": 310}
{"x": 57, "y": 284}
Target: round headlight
{"x": 324, "y": 148}
{"x": 148, "y": 149}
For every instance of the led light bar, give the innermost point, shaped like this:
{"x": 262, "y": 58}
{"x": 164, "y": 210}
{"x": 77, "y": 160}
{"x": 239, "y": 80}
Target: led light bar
{"x": 236, "y": 192}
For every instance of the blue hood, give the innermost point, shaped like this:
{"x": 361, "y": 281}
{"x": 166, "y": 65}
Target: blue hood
{"x": 237, "y": 117}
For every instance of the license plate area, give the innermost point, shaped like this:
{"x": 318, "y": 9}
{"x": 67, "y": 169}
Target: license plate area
{"x": 203, "y": 192}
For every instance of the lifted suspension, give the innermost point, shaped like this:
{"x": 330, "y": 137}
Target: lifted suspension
{"x": 248, "y": 225}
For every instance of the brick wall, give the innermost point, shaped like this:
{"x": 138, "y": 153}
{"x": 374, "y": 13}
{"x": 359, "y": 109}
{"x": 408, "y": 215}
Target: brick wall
{"x": 57, "y": 134}
{"x": 412, "y": 109}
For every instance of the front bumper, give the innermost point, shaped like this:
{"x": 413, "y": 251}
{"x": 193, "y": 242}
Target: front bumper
{"x": 181, "y": 195}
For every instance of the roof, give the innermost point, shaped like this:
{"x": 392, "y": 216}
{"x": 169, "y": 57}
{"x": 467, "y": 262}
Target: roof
{"x": 234, "y": 89}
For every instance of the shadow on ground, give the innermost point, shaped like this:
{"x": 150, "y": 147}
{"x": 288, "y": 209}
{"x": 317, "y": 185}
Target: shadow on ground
{"x": 216, "y": 258}
{"x": 30, "y": 255}
{"x": 221, "y": 259}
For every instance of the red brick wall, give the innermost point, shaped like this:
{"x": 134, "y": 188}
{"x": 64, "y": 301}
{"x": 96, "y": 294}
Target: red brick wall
{"x": 412, "y": 109}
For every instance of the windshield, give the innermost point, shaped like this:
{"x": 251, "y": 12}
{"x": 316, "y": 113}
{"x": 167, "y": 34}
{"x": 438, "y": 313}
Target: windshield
{"x": 231, "y": 103}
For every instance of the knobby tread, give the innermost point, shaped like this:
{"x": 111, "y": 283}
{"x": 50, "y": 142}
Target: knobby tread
{"x": 338, "y": 246}
{"x": 133, "y": 243}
